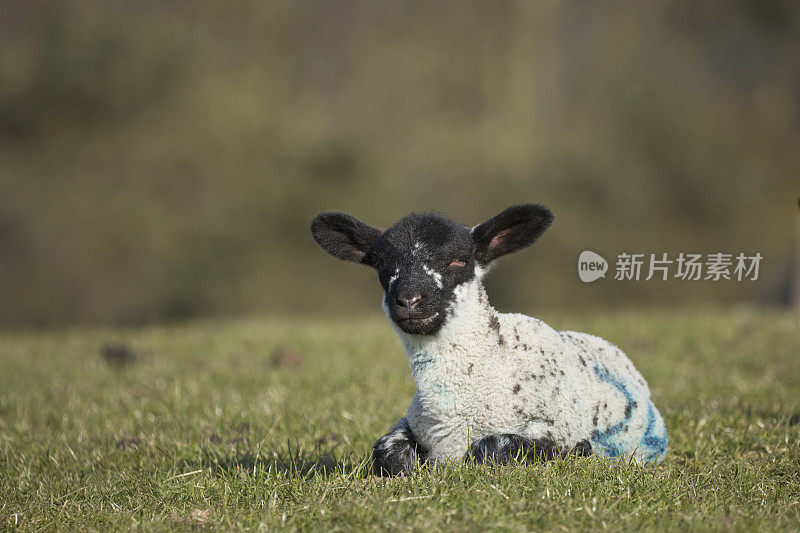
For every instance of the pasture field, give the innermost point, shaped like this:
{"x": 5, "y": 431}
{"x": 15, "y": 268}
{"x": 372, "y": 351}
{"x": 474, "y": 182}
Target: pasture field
{"x": 268, "y": 423}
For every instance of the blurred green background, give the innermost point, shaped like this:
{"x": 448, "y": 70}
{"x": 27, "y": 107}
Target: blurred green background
{"x": 163, "y": 160}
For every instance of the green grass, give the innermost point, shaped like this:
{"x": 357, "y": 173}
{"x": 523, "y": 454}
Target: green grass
{"x": 203, "y": 430}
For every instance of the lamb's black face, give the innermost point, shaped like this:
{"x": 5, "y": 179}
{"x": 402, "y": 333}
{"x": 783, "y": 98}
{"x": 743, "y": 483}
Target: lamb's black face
{"x": 420, "y": 261}
{"x": 423, "y": 258}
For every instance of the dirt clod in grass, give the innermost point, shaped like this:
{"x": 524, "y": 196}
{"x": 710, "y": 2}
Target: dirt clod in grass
{"x": 330, "y": 438}
{"x": 283, "y": 356}
{"x": 51, "y": 506}
{"x": 129, "y": 443}
{"x": 119, "y": 354}
{"x": 240, "y": 435}
{"x": 196, "y": 518}
{"x": 211, "y": 434}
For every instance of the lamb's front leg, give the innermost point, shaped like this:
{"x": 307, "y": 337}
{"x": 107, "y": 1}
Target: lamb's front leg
{"x": 398, "y": 451}
{"x": 503, "y": 448}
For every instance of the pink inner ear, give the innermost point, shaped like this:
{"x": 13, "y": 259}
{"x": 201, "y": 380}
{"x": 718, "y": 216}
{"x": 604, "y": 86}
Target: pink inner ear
{"x": 497, "y": 239}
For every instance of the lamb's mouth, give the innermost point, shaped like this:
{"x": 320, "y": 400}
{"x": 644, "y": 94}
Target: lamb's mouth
{"x": 416, "y": 322}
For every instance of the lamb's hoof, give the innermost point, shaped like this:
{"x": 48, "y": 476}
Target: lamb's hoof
{"x": 502, "y": 448}
{"x": 397, "y": 452}
{"x": 582, "y": 449}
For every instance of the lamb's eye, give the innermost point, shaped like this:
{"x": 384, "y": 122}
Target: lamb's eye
{"x": 379, "y": 264}
{"x": 457, "y": 263}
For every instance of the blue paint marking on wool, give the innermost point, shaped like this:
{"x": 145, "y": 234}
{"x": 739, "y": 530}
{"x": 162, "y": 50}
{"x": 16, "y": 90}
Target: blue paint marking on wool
{"x": 609, "y": 439}
{"x": 655, "y": 434}
{"x": 444, "y": 396}
{"x": 613, "y": 441}
{"x": 421, "y": 362}
{"x": 442, "y": 389}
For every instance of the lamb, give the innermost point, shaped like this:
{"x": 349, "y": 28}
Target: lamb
{"x": 490, "y": 386}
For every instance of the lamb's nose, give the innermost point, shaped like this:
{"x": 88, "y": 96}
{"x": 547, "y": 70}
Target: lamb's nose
{"x": 411, "y": 303}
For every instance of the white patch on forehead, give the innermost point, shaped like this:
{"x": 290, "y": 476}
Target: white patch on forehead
{"x": 437, "y": 278}
{"x": 394, "y": 278}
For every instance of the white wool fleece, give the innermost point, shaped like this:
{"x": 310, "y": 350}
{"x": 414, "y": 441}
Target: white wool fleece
{"x": 486, "y": 373}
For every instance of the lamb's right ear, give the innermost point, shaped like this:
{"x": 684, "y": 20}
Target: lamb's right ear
{"x": 344, "y": 236}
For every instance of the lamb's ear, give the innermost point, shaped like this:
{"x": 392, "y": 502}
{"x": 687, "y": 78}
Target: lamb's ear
{"x": 344, "y": 236}
{"x": 513, "y": 229}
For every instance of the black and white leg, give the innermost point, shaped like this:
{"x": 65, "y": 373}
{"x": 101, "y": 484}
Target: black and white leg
{"x": 502, "y": 448}
{"x": 398, "y": 451}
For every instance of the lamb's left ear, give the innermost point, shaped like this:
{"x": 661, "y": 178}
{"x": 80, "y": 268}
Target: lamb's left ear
{"x": 344, "y": 236}
{"x": 510, "y": 231}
